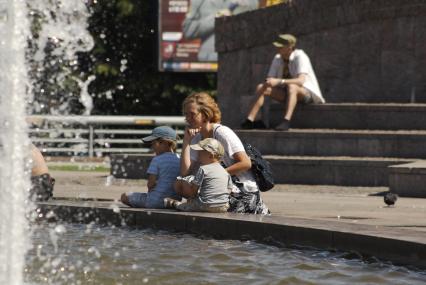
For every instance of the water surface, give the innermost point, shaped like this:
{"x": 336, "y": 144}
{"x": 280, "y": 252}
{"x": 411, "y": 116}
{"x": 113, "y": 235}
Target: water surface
{"x": 89, "y": 254}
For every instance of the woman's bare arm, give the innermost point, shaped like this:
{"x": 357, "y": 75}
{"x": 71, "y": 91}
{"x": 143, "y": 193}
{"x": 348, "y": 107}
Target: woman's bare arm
{"x": 242, "y": 163}
{"x": 186, "y": 165}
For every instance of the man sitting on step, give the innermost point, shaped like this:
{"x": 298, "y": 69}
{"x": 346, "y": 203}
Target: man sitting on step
{"x": 291, "y": 79}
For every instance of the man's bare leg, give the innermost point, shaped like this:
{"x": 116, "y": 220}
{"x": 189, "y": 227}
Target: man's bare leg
{"x": 263, "y": 90}
{"x": 295, "y": 93}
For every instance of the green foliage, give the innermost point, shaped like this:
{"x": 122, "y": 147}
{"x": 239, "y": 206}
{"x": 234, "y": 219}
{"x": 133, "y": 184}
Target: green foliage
{"x": 125, "y": 8}
{"x": 106, "y": 69}
{"x": 124, "y": 61}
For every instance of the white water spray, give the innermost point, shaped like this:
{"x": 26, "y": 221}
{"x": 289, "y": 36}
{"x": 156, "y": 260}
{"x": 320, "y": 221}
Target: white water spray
{"x": 66, "y": 23}
{"x": 14, "y": 142}
{"x": 62, "y": 32}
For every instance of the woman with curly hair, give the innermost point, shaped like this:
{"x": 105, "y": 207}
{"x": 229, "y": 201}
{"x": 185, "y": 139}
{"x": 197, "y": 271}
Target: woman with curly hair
{"x": 203, "y": 117}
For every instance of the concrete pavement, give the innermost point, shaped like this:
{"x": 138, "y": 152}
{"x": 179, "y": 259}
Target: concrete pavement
{"x": 353, "y": 205}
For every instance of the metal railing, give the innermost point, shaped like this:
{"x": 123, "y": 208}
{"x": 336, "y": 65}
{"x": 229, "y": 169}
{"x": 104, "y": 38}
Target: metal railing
{"x": 96, "y": 135}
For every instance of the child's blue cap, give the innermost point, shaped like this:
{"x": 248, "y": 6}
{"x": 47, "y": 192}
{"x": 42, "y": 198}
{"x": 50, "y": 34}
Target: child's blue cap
{"x": 163, "y": 132}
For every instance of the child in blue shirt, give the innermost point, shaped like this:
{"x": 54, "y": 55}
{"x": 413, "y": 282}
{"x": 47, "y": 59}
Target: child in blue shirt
{"x": 162, "y": 171}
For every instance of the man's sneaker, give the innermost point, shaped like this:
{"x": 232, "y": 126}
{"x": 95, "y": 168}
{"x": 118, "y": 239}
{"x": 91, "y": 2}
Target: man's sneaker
{"x": 259, "y": 124}
{"x": 247, "y": 125}
{"x": 284, "y": 126}
{"x": 169, "y": 203}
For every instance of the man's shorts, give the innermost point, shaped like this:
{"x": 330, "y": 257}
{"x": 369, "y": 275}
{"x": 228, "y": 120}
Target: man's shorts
{"x": 308, "y": 99}
{"x": 195, "y": 205}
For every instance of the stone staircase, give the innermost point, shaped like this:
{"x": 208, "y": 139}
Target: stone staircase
{"x": 350, "y": 144}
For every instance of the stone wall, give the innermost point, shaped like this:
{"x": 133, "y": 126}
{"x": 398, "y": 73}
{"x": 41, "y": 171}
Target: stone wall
{"x": 361, "y": 50}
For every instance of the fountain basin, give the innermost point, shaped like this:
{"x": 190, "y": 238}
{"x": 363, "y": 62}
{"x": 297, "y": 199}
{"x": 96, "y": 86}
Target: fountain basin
{"x": 93, "y": 254}
{"x": 402, "y": 247}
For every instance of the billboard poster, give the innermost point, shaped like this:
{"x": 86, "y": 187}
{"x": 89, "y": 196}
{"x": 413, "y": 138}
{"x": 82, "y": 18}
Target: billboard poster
{"x": 186, "y": 32}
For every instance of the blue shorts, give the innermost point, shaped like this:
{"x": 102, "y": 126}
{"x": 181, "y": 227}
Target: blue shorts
{"x": 150, "y": 200}
{"x": 137, "y": 199}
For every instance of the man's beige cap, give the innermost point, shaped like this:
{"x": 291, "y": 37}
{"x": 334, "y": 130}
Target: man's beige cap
{"x": 285, "y": 40}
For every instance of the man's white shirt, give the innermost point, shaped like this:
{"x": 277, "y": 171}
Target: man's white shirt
{"x": 299, "y": 63}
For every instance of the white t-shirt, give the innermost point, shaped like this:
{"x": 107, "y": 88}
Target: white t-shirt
{"x": 232, "y": 144}
{"x": 299, "y": 63}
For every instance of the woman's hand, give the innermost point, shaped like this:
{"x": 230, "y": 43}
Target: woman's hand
{"x": 185, "y": 158}
{"x": 189, "y": 134}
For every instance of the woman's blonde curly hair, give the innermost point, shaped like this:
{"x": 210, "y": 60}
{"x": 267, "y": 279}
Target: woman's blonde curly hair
{"x": 206, "y": 106}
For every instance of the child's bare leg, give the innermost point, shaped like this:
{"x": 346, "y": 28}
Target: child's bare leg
{"x": 124, "y": 199}
{"x": 178, "y": 187}
{"x": 182, "y": 188}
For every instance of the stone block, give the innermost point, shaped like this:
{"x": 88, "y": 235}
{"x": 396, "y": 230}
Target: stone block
{"x": 357, "y": 47}
{"x": 355, "y": 116}
{"x": 323, "y": 142}
{"x": 343, "y": 171}
{"x": 408, "y": 180}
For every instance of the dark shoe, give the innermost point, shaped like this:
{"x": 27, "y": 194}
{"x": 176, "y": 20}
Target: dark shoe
{"x": 259, "y": 124}
{"x": 247, "y": 125}
{"x": 284, "y": 126}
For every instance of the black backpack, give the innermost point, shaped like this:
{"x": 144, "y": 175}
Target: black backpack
{"x": 260, "y": 168}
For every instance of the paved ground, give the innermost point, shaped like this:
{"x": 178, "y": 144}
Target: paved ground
{"x": 355, "y": 205}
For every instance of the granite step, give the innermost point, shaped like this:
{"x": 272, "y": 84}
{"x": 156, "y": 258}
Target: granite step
{"x": 408, "y": 180}
{"x": 357, "y": 116}
{"x": 343, "y": 171}
{"x": 306, "y": 170}
{"x": 328, "y": 142}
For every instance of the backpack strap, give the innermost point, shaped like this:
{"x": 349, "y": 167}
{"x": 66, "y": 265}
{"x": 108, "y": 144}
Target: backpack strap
{"x": 215, "y": 130}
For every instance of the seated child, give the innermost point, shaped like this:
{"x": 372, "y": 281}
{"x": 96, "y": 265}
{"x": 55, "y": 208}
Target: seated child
{"x": 209, "y": 188}
{"x": 162, "y": 171}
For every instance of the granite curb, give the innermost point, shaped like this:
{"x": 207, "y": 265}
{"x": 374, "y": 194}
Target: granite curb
{"x": 401, "y": 247}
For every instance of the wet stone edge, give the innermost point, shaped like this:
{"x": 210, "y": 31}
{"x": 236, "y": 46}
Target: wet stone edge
{"x": 243, "y": 227}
